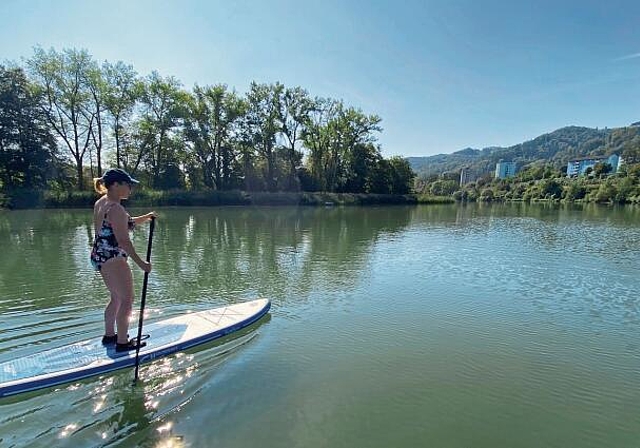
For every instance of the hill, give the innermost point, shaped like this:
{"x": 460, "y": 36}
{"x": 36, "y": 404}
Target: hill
{"x": 556, "y": 148}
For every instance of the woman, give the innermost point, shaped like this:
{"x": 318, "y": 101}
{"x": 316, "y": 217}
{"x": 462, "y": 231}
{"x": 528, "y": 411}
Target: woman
{"x": 111, "y": 248}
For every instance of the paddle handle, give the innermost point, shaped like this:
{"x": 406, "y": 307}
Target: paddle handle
{"x": 144, "y": 298}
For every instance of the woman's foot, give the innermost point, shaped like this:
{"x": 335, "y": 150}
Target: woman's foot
{"x": 108, "y": 340}
{"x": 132, "y": 344}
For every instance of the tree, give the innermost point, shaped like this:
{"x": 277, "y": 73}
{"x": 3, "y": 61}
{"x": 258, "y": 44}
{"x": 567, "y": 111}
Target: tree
{"x": 575, "y": 190}
{"x": 443, "y": 187}
{"x": 62, "y": 81}
{"x": 350, "y": 128}
{"x": 263, "y": 112}
{"x": 122, "y": 89}
{"x": 600, "y": 169}
{"x": 381, "y": 178}
{"x": 164, "y": 105}
{"x": 403, "y": 176}
{"x": 316, "y": 138}
{"x": 550, "y": 188}
{"x": 95, "y": 85}
{"x": 360, "y": 163}
{"x": 27, "y": 148}
{"x": 214, "y": 112}
{"x": 606, "y": 192}
{"x": 294, "y": 114}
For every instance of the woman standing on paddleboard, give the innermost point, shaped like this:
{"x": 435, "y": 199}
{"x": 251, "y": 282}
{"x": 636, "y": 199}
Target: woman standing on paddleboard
{"x": 111, "y": 248}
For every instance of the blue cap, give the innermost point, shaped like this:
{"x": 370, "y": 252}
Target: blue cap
{"x": 114, "y": 175}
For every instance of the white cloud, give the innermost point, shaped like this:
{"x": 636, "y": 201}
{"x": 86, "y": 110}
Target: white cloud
{"x": 629, "y": 56}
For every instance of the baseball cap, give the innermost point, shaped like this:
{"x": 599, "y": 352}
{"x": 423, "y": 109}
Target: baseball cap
{"x": 114, "y": 175}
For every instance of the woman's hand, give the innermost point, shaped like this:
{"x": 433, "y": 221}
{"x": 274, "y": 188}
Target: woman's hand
{"x": 145, "y": 266}
{"x": 144, "y": 218}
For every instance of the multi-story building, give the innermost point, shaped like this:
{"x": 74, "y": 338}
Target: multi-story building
{"x": 505, "y": 169}
{"x": 577, "y": 167}
{"x": 466, "y": 176}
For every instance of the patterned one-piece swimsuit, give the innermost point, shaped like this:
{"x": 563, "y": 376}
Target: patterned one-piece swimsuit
{"x": 105, "y": 245}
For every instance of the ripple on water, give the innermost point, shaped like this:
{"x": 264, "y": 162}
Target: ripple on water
{"x": 109, "y": 410}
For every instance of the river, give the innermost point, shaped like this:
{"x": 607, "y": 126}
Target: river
{"x": 437, "y": 325}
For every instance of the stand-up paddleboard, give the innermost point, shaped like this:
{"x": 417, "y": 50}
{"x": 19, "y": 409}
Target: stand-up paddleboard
{"x": 90, "y": 358}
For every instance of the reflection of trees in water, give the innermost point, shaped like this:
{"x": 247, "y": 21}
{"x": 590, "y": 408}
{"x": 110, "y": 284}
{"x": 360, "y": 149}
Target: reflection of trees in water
{"x": 548, "y": 224}
{"x": 269, "y": 250}
{"x": 40, "y": 257}
{"x": 214, "y": 251}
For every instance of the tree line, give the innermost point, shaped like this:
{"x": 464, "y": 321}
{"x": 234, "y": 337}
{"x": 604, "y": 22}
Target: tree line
{"x": 64, "y": 118}
{"x": 543, "y": 181}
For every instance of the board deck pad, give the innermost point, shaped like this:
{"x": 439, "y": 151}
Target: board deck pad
{"x": 89, "y": 358}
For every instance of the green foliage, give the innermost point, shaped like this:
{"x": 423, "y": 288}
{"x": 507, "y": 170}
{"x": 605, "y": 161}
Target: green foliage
{"x": 65, "y": 80}
{"x": 550, "y": 189}
{"x": 273, "y": 138}
{"x": 487, "y": 195}
{"x": 606, "y": 192}
{"x": 443, "y": 187}
{"x": 402, "y": 176}
{"x": 27, "y": 148}
{"x": 600, "y": 169}
{"x": 624, "y": 187}
{"x": 574, "y": 191}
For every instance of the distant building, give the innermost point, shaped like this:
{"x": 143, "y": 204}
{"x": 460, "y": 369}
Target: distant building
{"x": 466, "y": 176}
{"x": 505, "y": 169}
{"x": 577, "y": 167}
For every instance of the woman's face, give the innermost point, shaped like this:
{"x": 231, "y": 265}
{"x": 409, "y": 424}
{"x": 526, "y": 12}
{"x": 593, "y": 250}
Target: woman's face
{"x": 123, "y": 189}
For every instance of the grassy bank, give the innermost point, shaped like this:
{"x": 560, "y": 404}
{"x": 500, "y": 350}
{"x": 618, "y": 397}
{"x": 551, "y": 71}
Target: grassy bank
{"x": 430, "y": 199}
{"x": 148, "y": 198}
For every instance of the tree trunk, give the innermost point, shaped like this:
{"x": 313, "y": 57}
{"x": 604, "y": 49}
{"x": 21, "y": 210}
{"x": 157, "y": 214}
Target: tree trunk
{"x": 80, "y": 176}
{"x": 117, "y": 135}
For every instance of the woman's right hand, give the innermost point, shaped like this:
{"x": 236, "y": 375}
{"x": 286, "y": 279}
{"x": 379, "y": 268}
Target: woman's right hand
{"x": 145, "y": 266}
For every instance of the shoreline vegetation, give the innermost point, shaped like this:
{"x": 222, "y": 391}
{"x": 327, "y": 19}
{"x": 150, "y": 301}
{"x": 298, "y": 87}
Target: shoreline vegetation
{"x": 65, "y": 118}
{"x": 183, "y": 198}
{"x": 39, "y": 199}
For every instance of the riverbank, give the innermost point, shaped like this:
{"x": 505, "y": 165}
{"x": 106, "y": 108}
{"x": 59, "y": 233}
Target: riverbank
{"x": 148, "y": 198}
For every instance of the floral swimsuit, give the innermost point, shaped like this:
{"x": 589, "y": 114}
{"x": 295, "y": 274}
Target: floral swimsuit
{"x": 105, "y": 245}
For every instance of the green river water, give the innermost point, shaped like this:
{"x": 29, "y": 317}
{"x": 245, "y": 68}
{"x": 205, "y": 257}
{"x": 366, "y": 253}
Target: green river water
{"x": 424, "y": 326}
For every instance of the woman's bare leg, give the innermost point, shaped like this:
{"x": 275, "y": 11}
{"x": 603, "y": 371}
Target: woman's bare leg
{"x": 119, "y": 280}
{"x": 110, "y": 313}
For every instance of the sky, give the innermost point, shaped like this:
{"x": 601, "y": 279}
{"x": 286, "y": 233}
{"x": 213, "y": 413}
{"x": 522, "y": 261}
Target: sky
{"x": 443, "y": 75}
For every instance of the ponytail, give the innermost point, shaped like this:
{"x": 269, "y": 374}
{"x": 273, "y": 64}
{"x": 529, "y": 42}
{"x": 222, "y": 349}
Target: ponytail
{"x": 98, "y": 185}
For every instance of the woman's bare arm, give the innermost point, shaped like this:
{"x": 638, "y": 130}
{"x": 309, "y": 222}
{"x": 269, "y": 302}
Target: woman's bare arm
{"x": 143, "y": 218}
{"x": 119, "y": 220}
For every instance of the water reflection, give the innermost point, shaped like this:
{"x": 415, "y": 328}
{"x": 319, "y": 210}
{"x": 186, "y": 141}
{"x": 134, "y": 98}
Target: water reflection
{"x": 261, "y": 251}
{"x": 110, "y": 410}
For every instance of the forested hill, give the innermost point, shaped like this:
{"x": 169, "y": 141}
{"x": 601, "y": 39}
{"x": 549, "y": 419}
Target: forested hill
{"x": 557, "y": 148}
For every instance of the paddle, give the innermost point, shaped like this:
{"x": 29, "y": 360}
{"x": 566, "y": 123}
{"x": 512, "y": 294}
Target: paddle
{"x": 144, "y": 298}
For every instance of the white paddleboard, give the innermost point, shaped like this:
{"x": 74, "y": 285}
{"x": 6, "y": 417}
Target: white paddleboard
{"x": 90, "y": 358}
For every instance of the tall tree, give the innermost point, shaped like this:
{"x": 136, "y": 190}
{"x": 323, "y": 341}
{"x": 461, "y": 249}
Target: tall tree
{"x": 61, "y": 78}
{"x": 164, "y": 103}
{"x": 360, "y": 163}
{"x": 27, "y": 148}
{"x": 214, "y": 113}
{"x": 345, "y": 129}
{"x": 95, "y": 84}
{"x": 263, "y": 113}
{"x": 316, "y": 137}
{"x": 402, "y": 176}
{"x": 295, "y": 110}
{"x": 122, "y": 90}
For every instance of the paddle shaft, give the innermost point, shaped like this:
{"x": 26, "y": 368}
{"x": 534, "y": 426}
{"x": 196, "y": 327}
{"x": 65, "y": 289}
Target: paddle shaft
{"x": 144, "y": 298}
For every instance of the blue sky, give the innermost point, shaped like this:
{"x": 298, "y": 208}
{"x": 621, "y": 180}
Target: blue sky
{"x": 443, "y": 75}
